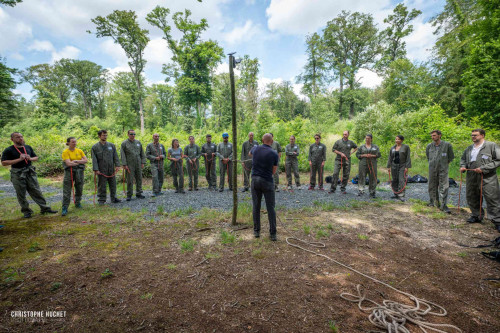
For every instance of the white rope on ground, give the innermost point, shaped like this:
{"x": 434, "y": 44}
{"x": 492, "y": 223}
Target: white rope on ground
{"x": 390, "y": 316}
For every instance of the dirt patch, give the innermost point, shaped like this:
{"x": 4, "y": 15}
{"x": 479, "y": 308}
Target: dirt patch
{"x": 158, "y": 276}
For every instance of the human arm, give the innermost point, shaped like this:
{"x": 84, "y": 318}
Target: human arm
{"x": 450, "y": 154}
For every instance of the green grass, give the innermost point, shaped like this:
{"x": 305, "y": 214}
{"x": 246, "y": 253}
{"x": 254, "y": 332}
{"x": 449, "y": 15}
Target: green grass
{"x": 324, "y": 206}
{"x": 210, "y": 255}
{"x": 363, "y": 237}
{"x": 171, "y": 266}
{"x": 332, "y": 325}
{"x": 187, "y": 245}
{"x": 55, "y": 286}
{"x": 34, "y": 247}
{"x": 307, "y": 229}
{"x": 322, "y": 234}
{"x": 106, "y": 274}
{"x": 147, "y": 296}
{"x": 227, "y": 237}
{"x": 258, "y": 253}
{"x": 182, "y": 212}
{"x": 462, "y": 254}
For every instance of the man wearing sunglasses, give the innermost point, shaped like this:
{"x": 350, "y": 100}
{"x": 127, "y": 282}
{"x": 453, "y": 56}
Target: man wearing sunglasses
{"x": 133, "y": 160}
{"x": 480, "y": 160}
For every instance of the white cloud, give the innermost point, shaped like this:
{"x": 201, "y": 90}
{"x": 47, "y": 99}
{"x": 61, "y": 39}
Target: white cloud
{"x": 305, "y": 16}
{"x": 157, "y": 52}
{"x": 17, "y": 56}
{"x": 368, "y": 79}
{"x": 114, "y": 51}
{"x": 13, "y": 33}
{"x": 420, "y": 42}
{"x": 241, "y": 33}
{"x": 68, "y": 52}
{"x": 41, "y": 46}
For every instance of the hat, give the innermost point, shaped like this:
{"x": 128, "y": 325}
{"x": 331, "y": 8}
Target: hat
{"x": 225, "y": 135}
{"x": 208, "y": 135}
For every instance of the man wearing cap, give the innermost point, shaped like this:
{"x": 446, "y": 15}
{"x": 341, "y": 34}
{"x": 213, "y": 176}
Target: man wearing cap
{"x": 225, "y": 153}
{"x": 23, "y": 176}
{"x": 156, "y": 153}
{"x": 133, "y": 160}
{"x": 343, "y": 148}
{"x": 246, "y": 160}
{"x": 209, "y": 150}
{"x": 277, "y": 148}
{"x": 192, "y": 153}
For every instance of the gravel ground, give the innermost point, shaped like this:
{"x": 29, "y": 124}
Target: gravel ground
{"x": 223, "y": 200}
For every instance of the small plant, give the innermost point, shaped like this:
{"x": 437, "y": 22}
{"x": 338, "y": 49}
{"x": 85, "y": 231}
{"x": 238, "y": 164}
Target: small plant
{"x": 332, "y": 325}
{"x": 330, "y": 226}
{"x": 227, "y": 237}
{"x": 462, "y": 254}
{"x": 34, "y": 247}
{"x": 187, "y": 245}
{"x": 258, "y": 253}
{"x": 321, "y": 233}
{"x": 212, "y": 255}
{"x": 160, "y": 210}
{"x": 363, "y": 237}
{"x": 171, "y": 266}
{"x": 106, "y": 274}
{"x": 147, "y": 296}
{"x": 307, "y": 229}
{"x": 182, "y": 212}
{"x": 84, "y": 244}
{"x": 55, "y": 286}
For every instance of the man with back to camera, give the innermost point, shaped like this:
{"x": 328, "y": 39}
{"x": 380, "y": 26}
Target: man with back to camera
{"x": 105, "y": 164}
{"x": 480, "y": 160}
{"x": 23, "y": 176}
{"x": 439, "y": 154}
{"x": 133, "y": 160}
{"x": 265, "y": 164}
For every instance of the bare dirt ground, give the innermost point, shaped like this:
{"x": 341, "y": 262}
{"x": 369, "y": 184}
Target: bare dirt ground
{"x": 116, "y": 271}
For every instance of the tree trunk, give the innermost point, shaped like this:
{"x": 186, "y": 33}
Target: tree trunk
{"x": 141, "y": 112}
{"x": 341, "y": 91}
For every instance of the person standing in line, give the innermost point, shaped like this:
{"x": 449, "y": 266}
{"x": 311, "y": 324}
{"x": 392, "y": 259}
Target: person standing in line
{"x": 105, "y": 164}
{"x": 246, "y": 160}
{"x": 398, "y": 164}
{"x": 23, "y": 176}
{"x": 292, "y": 152}
{"x": 265, "y": 163}
{"x": 277, "y": 148}
{"x": 317, "y": 159}
{"x": 192, "y": 153}
{"x": 481, "y": 160}
{"x": 175, "y": 156}
{"x": 368, "y": 154}
{"x": 344, "y": 149}
{"x": 74, "y": 161}
{"x": 225, "y": 153}
{"x": 439, "y": 155}
{"x": 155, "y": 153}
{"x": 209, "y": 150}
{"x": 133, "y": 160}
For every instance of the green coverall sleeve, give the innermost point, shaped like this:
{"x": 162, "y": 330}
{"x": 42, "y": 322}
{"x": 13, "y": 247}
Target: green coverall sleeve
{"x": 427, "y": 151}
{"x": 149, "y": 153}
{"x": 115, "y": 157}
{"x": 122, "y": 154}
{"x": 324, "y": 153}
{"x": 450, "y": 154}
{"x": 495, "y": 160}
{"x": 310, "y": 154}
{"x": 408, "y": 159}
{"x": 143, "y": 156}
{"x": 463, "y": 159}
{"x": 95, "y": 166}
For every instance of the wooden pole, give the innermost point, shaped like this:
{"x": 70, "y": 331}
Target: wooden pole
{"x": 235, "y": 142}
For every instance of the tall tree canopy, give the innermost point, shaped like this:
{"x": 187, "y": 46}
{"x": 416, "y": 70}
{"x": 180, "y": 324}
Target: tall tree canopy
{"x": 123, "y": 28}
{"x": 314, "y": 76}
{"x": 8, "y": 103}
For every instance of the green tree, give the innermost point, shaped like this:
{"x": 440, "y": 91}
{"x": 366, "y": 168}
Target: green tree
{"x": 248, "y": 87}
{"x": 482, "y": 76}
{"x": 351, "y": 43}
{"x": 123, "y": 28}
{"x": 314, "y": 76}
{"x": 123, "y": 100}
{"x": 406, "y": 86}
{"x": 87, "y": 78}
{"x": 221, "y": 103}
{"x": 392, "y": 37}
{"x": 8, "y": 103}
{"x": 194, "y": 59}
{"x": 10, "y": 3}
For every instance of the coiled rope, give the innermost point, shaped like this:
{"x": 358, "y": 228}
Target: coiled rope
{"x": 390, "y": 316}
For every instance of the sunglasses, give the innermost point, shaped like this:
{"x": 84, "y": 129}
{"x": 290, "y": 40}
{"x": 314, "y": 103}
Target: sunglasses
{"x": 132, "y": 134}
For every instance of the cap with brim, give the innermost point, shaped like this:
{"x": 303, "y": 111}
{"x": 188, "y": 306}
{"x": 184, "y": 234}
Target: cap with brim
{"x": 225, "y": 135}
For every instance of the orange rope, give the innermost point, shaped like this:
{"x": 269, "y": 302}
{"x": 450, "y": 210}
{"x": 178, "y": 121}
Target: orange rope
{"x": 371, "y": 169}
{"x": 406, "y": 181}
{"x": 481, "y": 193}
{"x": 106, "y": 176}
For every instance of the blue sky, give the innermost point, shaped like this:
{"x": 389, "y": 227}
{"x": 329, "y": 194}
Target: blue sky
{"x": 42, "y": 31}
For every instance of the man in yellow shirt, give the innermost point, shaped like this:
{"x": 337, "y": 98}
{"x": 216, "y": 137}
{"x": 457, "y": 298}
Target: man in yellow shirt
{"x": 74, "y": 164}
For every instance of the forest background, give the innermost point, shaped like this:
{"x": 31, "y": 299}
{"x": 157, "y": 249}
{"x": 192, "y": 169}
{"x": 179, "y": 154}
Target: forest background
{"x": 456, "y": 90}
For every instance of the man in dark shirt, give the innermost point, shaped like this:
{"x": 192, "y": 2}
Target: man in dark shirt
{"x": 23, "y": 176}
{"x": 264, "y": 165}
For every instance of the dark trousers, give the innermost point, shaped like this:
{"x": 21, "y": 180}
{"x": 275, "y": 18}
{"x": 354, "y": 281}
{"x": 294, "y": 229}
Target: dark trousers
{"x": 260, "y": 187}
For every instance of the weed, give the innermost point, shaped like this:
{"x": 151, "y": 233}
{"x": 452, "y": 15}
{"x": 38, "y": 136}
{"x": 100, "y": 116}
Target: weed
{"x": 322, "y": 233}
{"x": 160, "y": 210}
{"x": 182, "y": 212}
{"x": 258, "y": 253}
{"x": 332, "y": 325}
{"x": 330, "y": 226}
{"x": 307, "y": 229}
{"x": 462, "y": 254}
{"x": 363, "y": 237}
{"x": 106, "y": 274}
{"x": 227, "y": 237}
{"x": 84, "y": 244}
{"x": 171, "y": 266}
{"x": 187, "y": 245}
{"x": 212, "y": 255}
{"x": 34, "y": 247}
{"x": 147, "y": 296}
{"x": 55, "y": 286}
{"x": 201, "y": 225}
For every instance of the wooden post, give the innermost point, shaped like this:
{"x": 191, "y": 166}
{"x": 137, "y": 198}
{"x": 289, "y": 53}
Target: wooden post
{"x": 235, "y": 141}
